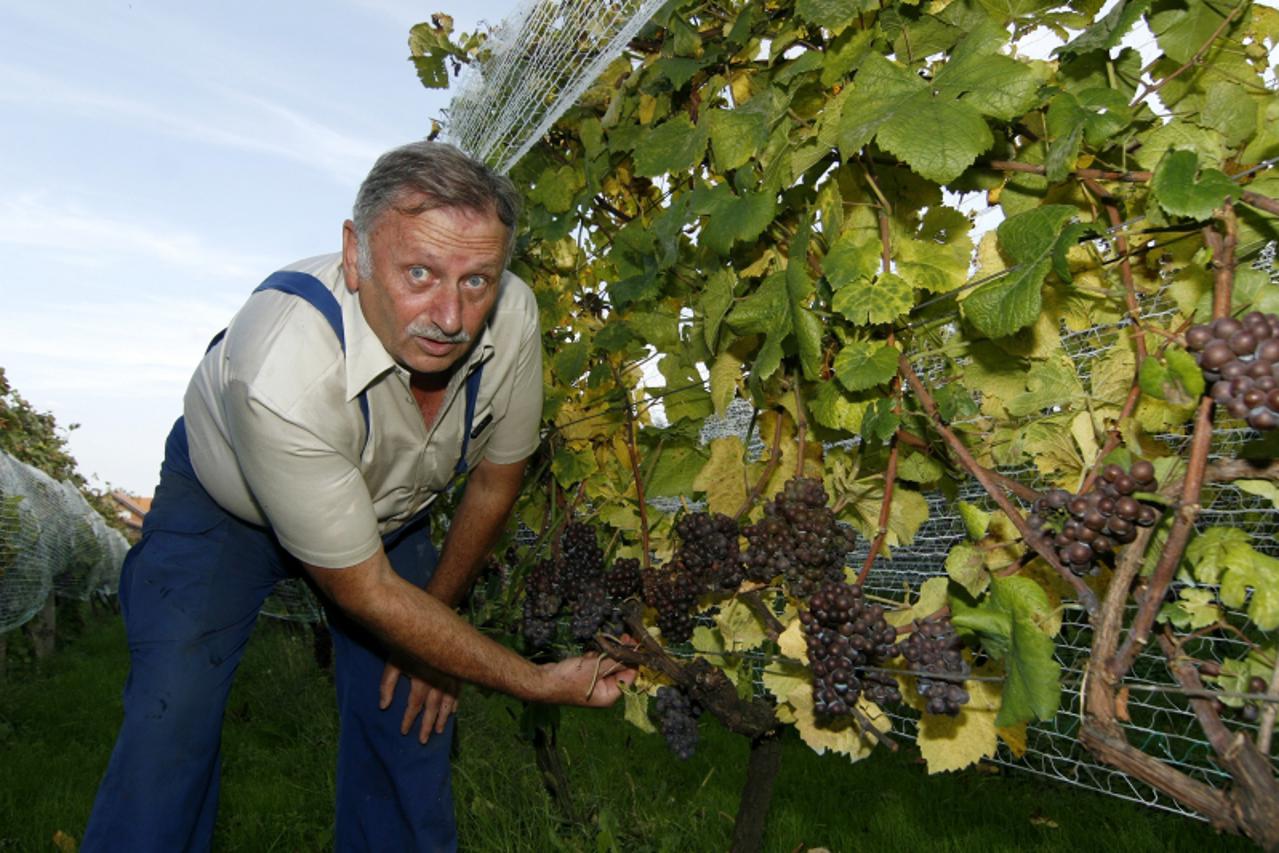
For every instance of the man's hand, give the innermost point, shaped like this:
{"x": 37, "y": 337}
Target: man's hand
{"x": 593, "y": 681}
{"x": 435, "y": 699}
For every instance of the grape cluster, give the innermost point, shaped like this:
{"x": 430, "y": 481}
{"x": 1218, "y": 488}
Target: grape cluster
{"x": 672, "y": 591}
{"x": 799, "y": 539}
{"x": 845, "y": 635}
{"x": 622, "y": 580}
{"x": 542, "y": 603}
{"x": 677, "y": 718}
{"x": 710, "y": 548}
{"x": 934, "y": 647}
{"x": 1240, "y": 361}
{"x": 1083, "y": 528}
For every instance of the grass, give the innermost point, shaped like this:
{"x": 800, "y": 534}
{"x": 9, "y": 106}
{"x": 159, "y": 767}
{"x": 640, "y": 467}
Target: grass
{"x": 57, "y": 725}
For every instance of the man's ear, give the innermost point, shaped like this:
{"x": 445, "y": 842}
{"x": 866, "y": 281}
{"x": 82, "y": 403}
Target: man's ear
{"x": 350, "y": 256}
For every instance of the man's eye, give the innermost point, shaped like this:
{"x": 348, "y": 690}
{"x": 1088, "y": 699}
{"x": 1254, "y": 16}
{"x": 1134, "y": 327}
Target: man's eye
{"x": 419, "y": 273}
{"x": 476, "y": 281}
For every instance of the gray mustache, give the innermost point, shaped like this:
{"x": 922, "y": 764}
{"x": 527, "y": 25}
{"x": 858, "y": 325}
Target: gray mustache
{"x": 432, "y": 332}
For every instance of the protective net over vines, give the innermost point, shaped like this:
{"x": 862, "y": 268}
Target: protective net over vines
{"x": 51, "y": 543}
{"x": 538, "y": 61}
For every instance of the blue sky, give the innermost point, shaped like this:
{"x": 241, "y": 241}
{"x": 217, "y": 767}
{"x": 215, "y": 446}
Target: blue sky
{"x": 157, "y": 160}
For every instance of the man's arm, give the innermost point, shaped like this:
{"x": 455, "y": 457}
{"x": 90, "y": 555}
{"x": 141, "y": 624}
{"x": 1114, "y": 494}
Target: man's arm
{"x": 420, "y": 626}
{"x": 491, "y": 490}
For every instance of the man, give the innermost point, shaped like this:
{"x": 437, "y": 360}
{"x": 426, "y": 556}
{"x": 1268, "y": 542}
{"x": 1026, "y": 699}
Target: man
{"x": 347, "y": 392}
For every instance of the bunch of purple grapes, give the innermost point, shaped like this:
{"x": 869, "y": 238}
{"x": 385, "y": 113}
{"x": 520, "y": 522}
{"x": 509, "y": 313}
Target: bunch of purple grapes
{"x": 845, "y": 635}
{"x": 799, "y": 539}
{"x": 1090, "y": 526}
{"x": 935, "y": 648}
{"x": 1240, "y": 361}
{"x": 677, "y": 717}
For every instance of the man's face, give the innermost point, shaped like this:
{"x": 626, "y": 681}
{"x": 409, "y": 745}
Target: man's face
{"x": 434, "y": 281}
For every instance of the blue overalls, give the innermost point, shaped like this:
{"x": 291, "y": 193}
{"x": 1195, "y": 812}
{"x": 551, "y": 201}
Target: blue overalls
{"x": 190, "y": 591}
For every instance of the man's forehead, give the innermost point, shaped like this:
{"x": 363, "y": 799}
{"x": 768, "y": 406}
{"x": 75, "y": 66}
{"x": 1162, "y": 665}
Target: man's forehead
{"x": 453, "y": 228}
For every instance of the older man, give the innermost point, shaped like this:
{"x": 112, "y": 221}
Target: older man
{"x": 344, "y": 396}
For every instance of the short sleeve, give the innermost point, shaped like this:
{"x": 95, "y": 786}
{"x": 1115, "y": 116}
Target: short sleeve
{"x": 517, "y": 434}
{"x": 311, "y": 493}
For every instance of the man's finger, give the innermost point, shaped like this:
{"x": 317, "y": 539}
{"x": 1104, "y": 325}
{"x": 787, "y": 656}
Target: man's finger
{"x": 430, "y": 713}
{"x": 386, "y": 690}
{"x": 413, "y": 707}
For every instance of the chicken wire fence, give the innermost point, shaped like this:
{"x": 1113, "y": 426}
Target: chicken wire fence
{"x": 52, "y": 542}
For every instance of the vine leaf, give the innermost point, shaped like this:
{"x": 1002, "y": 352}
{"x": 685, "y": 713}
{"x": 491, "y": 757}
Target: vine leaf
{"x": 1225, "y": 555}
{"x": 865, "y": 364}
{"x": 883, "y": 299}
{"x": 1033, "y": 240}
{"x": 731, "y": 218}
{"x": 723, "y": 477}
{"x": 736, "y": 135}
{"x": 833, "y": 408}
{"x": 739, "y": 626}
{"x": 807, "y": 327}
{"x": 637, "y": 710}
{"x": 1176, "y": 378}
{"x": 832, "y": 15}
{"x": 673, "y": 146}
{"x": 937, "y": 127}
{"x": 1182, "y": 189}
{"x": 953, "y": 743}
{"x": 1107, "y": 32}
{"x": 1194, "y": 608}
{"x": 1008, "y": 622}
{"x": 966, "y": 567}
{"x": 715, "y": 301}
{"x": 844, "y": 736}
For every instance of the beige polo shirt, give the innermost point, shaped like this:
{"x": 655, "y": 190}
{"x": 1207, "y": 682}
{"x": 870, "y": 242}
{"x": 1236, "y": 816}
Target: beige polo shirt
{"x": 277, "y": 437}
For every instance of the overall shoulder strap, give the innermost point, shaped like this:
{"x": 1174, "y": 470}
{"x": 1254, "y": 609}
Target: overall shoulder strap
{"x": 472, "y": 394}
{"x": 309, "y": 288}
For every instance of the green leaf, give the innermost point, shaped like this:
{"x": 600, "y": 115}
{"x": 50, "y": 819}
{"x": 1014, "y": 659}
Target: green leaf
{"x": 732, "y": 219}
{"x": 976, "y": 520}
{"x": 882, "y": 89}
{"x": 1230, "y": 110}
{"x": 715, "y": 300}
{"x": 431, "y": 71}
{"x": 1193, "y": 609}
{"x": 1108, "y": 31}
{"x": 736, "y": 136}
{"x": 865, "y": 364}
{"x": 966, "y": 567}
{"x": 1209, "y": 551}
{"x": 850, "y": 260}
{"x": 808, "y": 329}
{"x": 833, "y": 15}
{"x": 572, "y": 467}
{"x": 1177, "y": 379}
{"x": 879, "y": 421}
{"x": 881, "y": 300}
{"x": 1011, "y": 623}
{"x": 1183, "y": 190}
{"x": 1262, "y": 488}
{"x": 1183, "y": 26}
{"x": 919, "y": 468}
{"x": 673, "y": 146}
{"x": 569, "y": 361}
{"x": 833, "y": 408}
{"x": 766, "y": 310}
{"x": 1005, "y": 305}
{"x": 937, "y": 138}
{"x": 685, "y": 396}
{"x": 674, "y": 471}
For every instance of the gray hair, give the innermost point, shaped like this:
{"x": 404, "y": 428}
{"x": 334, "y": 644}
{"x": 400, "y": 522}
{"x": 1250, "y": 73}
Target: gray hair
{"x": 442, "y": 173}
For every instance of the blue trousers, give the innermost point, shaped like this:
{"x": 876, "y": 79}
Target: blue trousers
{"x": 190, "y": 591}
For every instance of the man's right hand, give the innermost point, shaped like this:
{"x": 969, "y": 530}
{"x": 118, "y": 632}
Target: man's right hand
{"x": 592, "y": 681}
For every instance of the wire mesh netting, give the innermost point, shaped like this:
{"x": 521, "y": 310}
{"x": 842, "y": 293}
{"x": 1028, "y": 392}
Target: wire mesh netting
{"x": 538, "y": 62}
{"x": 52, "y": 542}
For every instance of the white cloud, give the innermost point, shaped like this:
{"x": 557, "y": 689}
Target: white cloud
{"x": 241, "y": 122}
{"x": 91, "y": 238}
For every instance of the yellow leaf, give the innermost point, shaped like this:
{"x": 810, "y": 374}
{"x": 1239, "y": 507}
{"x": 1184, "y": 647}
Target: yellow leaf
{"x": 1015, "y": 737}
{"x": 844, "y": 736}
{"x": 637, "y": 710}
{"x": 726, "y": 372}
{"x": 783, "y": 679}
{"x": 1085, "y": 437}
{"x": 953, "y": 743}
{"x": 791, "y": 643}
{"x": 739, "y": 626}
{"x": 65, "y": 843}
{"x": 707, "y": 639}
{"x": 723, "y": 477}
{"x": 647, "y": 107}
{"x": 580, "y": 423}
{"x": 932, "y": 597}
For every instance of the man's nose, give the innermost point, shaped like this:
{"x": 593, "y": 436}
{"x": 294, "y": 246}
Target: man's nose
{"x": 446, "y": 312}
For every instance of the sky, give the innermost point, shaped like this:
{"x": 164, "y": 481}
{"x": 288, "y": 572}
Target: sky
{"x": 157, "y": 161}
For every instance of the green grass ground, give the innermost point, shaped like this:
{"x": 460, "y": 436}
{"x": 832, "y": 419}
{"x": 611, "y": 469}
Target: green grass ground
{"x": 57, "y": 724}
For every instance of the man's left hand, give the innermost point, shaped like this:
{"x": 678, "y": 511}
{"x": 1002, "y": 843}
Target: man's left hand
{"x": 435, "y": 699}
